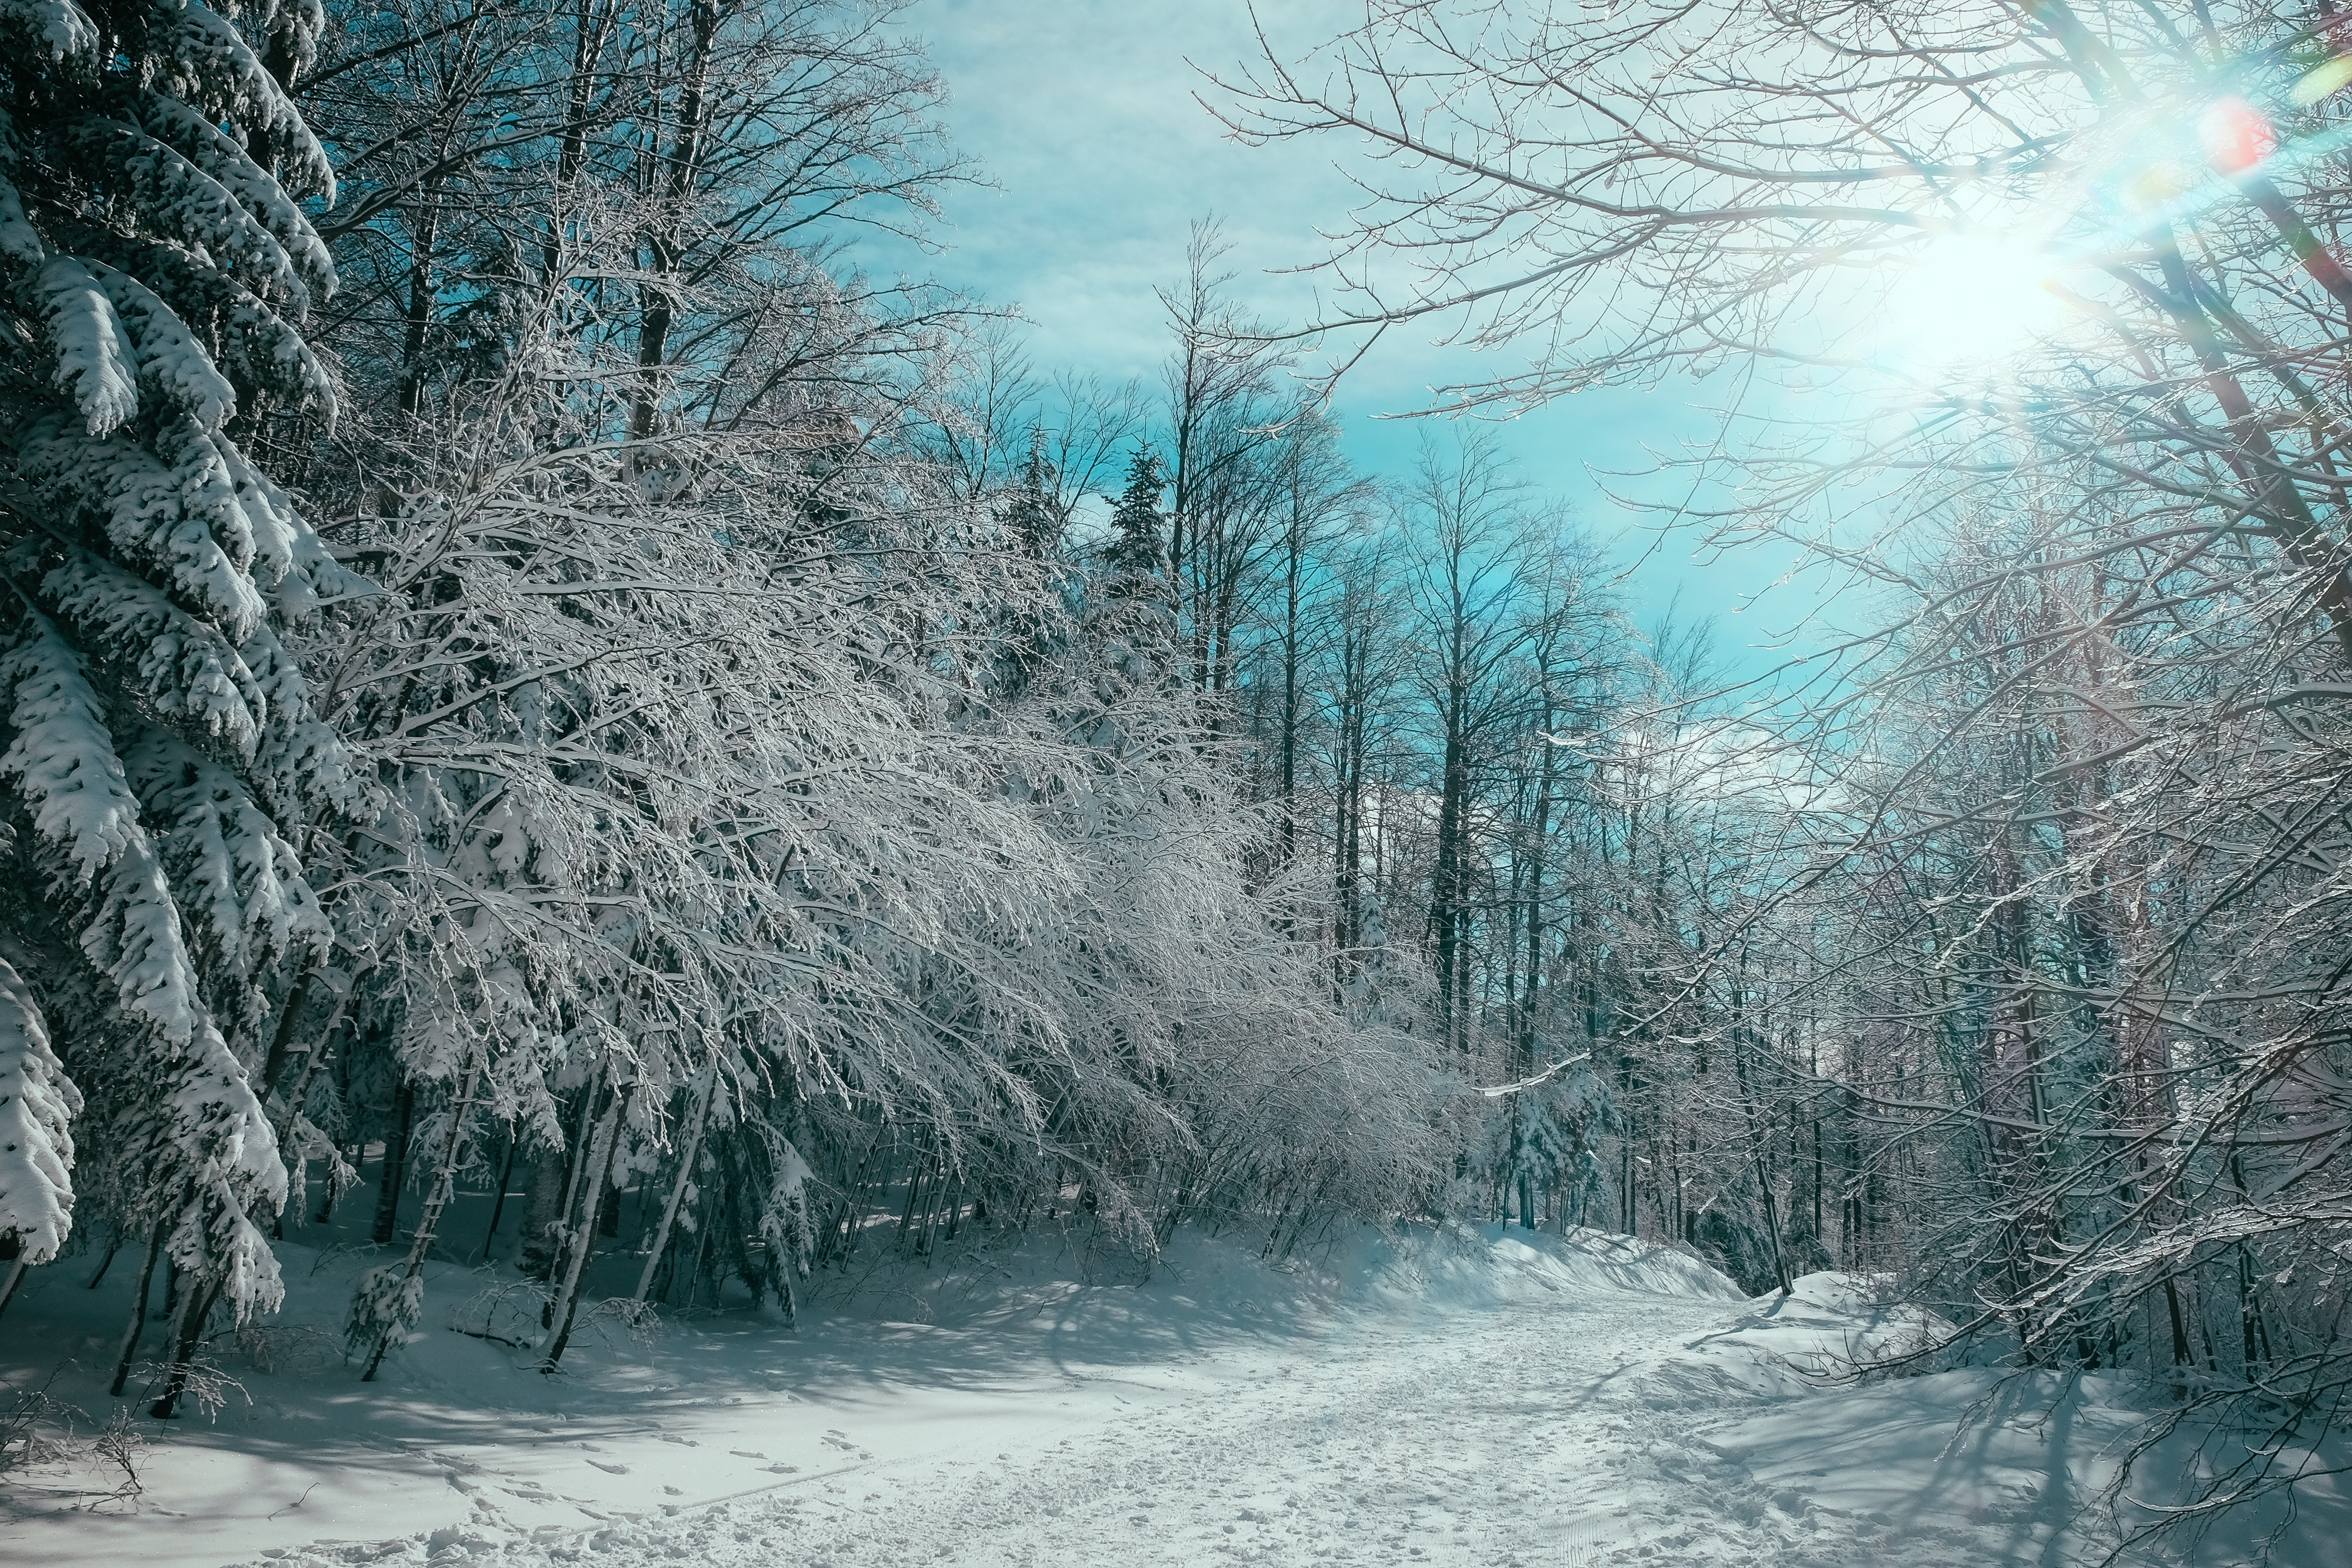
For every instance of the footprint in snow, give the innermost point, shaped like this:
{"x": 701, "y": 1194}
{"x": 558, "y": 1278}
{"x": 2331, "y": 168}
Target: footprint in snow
{"x": 746, "y": 1453}
{"x": 610, "y": 1470}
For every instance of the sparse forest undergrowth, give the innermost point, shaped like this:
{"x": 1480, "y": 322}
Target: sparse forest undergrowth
{"x": 524, "y": 671}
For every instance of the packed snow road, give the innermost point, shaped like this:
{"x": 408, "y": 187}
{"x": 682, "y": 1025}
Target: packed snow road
{"x": 1584, "y": 1408}
{"x": 1538, "y": 1434}
{"x": 1463, "y": 1399}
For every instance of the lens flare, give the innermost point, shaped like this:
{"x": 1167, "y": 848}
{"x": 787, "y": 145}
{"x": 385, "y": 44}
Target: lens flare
{"x": 2323, "y": 82}
{"x": 1967, "y": 299}
{"x": 2236, "y": 136}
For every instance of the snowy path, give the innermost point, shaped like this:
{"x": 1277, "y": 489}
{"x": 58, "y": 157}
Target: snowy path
{"x": 1490, "y": 1402}
{"x": 1537, "y": 1431}
{"x": 1521, "y": 1436}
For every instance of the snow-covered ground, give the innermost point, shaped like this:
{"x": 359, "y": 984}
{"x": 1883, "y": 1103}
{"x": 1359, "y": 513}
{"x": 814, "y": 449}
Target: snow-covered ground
{"x": 1485, "y": 1400}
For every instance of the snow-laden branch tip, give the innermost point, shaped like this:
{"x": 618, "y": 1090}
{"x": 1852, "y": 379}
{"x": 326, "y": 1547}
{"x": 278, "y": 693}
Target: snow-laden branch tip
{"x": 1540, "y": 1078}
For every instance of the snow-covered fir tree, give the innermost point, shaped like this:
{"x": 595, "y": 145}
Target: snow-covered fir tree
{"x": 1130, "y": 620}
{"x": 1134, "y": 565}
{"x": 159, "y": 756}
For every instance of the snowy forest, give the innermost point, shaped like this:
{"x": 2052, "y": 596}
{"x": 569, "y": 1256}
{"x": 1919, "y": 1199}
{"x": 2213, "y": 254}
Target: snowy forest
{"x": 528, "y": 668}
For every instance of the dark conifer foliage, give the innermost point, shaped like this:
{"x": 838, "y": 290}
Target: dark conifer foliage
{"x": 159, "y": 758}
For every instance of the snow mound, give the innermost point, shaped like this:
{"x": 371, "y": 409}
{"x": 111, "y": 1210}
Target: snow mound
{"x": 1833, "y": 1294}
{"x": 1026, "y": 1377}
{"x": 1481, "y": 1268}
{"x": 1825, "y": 1328}
{"x": 1601, "y": 1261}
{"x": 1057, "y": 1400}
{"x": 1210, "y": 1285}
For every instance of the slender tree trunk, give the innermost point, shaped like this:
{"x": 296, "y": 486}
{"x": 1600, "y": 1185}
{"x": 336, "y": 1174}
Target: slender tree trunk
{"x": 955, "y": 1209}
{"x": 608, "y": 1211}
{"x": 599, "y": 1160}
{"x": 684, "y": 167}
{"x": 688, "y": 1148}
{"x": 540, "y": 1252}
{"x": 914, "y": 1192}
{"x": 281, "y": 1039}
{"x": 138, "y": 1311}
{"x": 2180, "y": 1356}
{"x": 314, "y": 1061}
{"x": 844, "y": 1222}
{"x": 592, "y": 27}
{"x": 15, "y": 1277}
{"x": 506, "y": 1180}
{"x": 1448, "y": 891}
{"x": 1290, "y": 663}
{"x": 195, "y": 1306}
{"x": 1538, "y": 843}
{"x": 444, "y": 1179}
{"x": 392, "y": 1176}
{"x": 419, "y": 310}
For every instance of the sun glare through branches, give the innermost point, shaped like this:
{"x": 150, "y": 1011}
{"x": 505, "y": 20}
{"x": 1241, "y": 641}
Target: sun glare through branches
{"x": 1964, "y": 300}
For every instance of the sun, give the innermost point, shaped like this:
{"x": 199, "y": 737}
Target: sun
{"x": 1966, "y": 300}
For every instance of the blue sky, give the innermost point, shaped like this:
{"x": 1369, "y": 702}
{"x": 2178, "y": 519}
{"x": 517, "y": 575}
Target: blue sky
{"x": 1084, "y": 114}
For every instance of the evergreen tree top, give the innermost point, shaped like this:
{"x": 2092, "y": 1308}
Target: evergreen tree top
{"x": 1036, "y": 521}
{"x": 1137, "y": 550}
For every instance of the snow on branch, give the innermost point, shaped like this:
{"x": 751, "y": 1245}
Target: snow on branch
{"x": 19, "y": 241}
{"x": 170, "y": 506}
{"x": 254, "y": 187}
{"x": 173, "y": 364}
{"x": 64, "y": 28}
{"x": 1540, "y": 1078}
{"x": 211, "y": 66}
{"x": 61, "y": 751}
{"x": 233, "y": 871}
{"x": 96, "y": 365}
{"x": 38, "y": 1105}
{"x": 191, "y": 674}
{"x": 255, "y": 346}
{"x": 182, "y": 202}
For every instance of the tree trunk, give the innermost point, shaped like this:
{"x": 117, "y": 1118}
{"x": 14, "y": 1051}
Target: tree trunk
{"x": 689, "y": 1150}
{"x": 555, "y": 1185}
{"x": 1446, "y": 892}
{"x": 685, "y": 159}
{"x": 389, "y": 1179}
{"x": 445, "y": 1178}
{"x": 506, "y": 1180}
{"x": 419, "y": 308}
{"x": 138, "y": 1313}
{"x": 536, "y": 1247}
{"x": 600, "y": 1163}
{"x": 195, "y": 1306}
